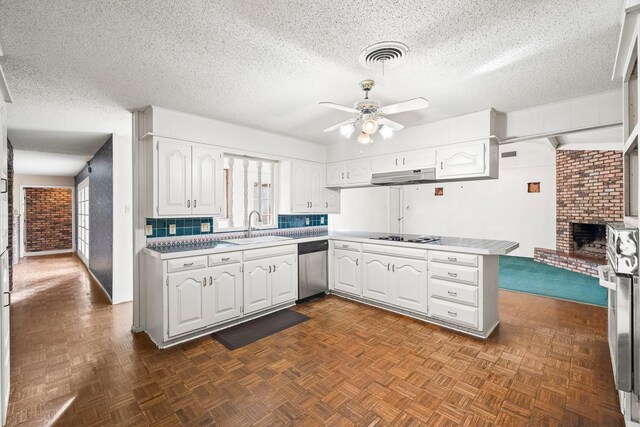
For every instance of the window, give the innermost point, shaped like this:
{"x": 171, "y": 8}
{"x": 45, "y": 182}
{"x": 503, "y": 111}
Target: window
{"x": 249, "y": 185}
{"x": 83, "y": 220}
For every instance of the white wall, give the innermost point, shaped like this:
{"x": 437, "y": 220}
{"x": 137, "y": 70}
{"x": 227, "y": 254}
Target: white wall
{"x": 36, "y": 180}
{"x": 122, "y": 219}
{"x": 499, "y": 209}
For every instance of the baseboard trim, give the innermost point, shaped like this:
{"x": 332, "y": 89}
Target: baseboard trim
{"x": 56, "y": 252}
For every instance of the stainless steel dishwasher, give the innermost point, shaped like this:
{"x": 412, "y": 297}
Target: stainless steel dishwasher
{"x": 312, "y": 269}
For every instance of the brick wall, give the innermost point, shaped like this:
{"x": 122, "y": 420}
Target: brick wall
{"x": 589, "y": 188}
{"x": 48, "y": 214}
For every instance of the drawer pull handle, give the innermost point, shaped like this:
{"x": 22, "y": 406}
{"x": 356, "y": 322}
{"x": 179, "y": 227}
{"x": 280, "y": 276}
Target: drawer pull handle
{"x": 187, "y": 264}
{"x": 210, "y": 280}
{"x": 452, "y": 313}
{"x": 204, "y": 282}
{"x": 225, "y": 259}
{"x": 453, "y": 274}
{"x": 453, "y": 294}
{"x": 345, "y": 246}
{"x": 452, "y": 259}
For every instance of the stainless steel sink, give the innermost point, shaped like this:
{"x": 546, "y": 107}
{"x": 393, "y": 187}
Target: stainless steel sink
{"x": 257, "y": 239}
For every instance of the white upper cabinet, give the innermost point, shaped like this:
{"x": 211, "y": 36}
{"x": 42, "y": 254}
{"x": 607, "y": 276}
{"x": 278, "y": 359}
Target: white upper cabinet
{"x": 207, "y": 183}
{"x": 331, "y": 201}
{"x": 174, "y": 178}
{"x": 416, "y": 159}
{"x": 468, "y": 160}
{"x": 303, "y": 189}
{"x": 351, "y": 173}
{"x": 189, "y": 180}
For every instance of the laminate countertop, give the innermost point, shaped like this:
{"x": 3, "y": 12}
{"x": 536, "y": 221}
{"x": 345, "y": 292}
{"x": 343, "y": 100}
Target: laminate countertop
{"x": 444, "y": 243}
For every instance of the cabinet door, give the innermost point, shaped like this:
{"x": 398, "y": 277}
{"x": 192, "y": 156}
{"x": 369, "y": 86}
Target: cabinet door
{"x": 468, "y": 159}
{"x": 187, "y": 304}
{"x": 224, "y": 292}
{"x": 347, "y": 271}
{"x": 300, "y": 197}
{"x": 331, "y": 201}
{"x": 419, "y": 159}
{"x": 336, "y": 174}
{"x": 377, "y": 278}
{"x": 359, "y": 171}
{"x": 410, "y": 284}
{"x": 174, "y": 178}
{"x": 315, "y": 190}
{"x": 387, "y": 163}
{"x": 207, "y": 181}
{"x": 257, "y": 295}
{"x": 284, "y": 279}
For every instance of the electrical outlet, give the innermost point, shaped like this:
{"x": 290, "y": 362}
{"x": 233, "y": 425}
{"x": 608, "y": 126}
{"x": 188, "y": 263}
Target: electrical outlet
{"x": 148, "y": 230}
{"x": 306, "y": 221}
{"x": 205, "y": 227}
{"x": 172, "y": 229}
{"x": 321, "y": 220}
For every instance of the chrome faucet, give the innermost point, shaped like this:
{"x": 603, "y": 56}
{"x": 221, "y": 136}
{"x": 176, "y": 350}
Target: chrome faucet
{"x": 259, "y": 220}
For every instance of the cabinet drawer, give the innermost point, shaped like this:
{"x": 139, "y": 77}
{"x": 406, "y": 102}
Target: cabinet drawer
{"x": 225, "y": 258}
{"x": 454, "y": 258}
{"x": 454, "y": 292}
{"x": 270, "y": 252}
{"x": 347, "y": 246}
{"x": 452, "y": 312}
{"x": 454, "y": 273}
{"x": 184, "y": 264}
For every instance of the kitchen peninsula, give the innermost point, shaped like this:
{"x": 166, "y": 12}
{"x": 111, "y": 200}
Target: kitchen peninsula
{"x": 191, "y": 291}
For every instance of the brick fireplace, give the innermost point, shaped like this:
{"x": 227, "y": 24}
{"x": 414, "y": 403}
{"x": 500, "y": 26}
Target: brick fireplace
{"x": 589, "y": 192}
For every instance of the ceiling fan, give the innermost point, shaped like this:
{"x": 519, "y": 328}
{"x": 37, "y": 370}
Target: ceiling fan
{"x": 371, "y": 115}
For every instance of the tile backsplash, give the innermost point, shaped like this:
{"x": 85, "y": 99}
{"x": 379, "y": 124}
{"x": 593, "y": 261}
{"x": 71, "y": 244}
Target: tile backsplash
{"x": 191, "y": 226}
{"x": 294, "y": 221}
{"x": 184, "y": 226}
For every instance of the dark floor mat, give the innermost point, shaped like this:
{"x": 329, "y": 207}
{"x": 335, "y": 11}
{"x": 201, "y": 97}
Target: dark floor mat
{"x": 254, "y": 330}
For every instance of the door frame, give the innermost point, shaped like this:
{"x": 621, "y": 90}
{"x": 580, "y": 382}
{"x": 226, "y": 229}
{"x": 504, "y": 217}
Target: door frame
{"x": 76, "y": 221}
{"x": 23, "y": 217}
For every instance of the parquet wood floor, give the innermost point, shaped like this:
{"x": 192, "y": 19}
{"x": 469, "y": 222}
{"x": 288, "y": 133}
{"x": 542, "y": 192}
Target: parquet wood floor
{"x": 74, "y": 362}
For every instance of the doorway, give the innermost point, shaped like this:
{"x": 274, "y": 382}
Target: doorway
{"x": 48, "y": 224}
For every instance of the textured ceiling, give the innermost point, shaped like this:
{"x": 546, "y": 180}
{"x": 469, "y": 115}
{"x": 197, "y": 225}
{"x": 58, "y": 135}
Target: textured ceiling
{"x": 78, "y": 66}
{"x": 35, "y": 162}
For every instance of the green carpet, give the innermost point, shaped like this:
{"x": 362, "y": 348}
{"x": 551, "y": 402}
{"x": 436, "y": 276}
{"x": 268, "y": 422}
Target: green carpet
{"x": 526, "y": 275}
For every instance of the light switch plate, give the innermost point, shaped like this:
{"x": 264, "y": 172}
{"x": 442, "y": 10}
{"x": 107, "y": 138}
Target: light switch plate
{"x": 322, "y": 220}
{"x": 306, "y": 221}
{"x": 148, "y": 230}
{"x": 172, "y": 229}
{"x": 205, "y": 227}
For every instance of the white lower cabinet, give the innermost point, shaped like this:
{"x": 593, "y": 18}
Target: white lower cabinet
{"x": 187, "y": 299}
{"x": 224, "y": 293}
{"x": 347, "y": 277}
{"x": 410, "y": 284}
{"x": 270, "y": 281}
{"x": 454, "y": 312}
{"x": 377, "y": 277}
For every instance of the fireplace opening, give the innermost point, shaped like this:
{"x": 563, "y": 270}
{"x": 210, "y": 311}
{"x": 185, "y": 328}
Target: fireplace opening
{"x": 590, "y": 240}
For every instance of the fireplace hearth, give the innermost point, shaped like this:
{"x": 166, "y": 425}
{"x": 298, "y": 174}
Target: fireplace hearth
{"x": 589, "y": 240}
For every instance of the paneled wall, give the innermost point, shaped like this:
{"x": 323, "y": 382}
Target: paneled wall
{"x": 101, "y": 214}
{"x": 49, "y": 219}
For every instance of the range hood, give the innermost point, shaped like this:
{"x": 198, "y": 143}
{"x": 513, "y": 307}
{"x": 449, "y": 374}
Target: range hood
{"x": 412, "y": 176}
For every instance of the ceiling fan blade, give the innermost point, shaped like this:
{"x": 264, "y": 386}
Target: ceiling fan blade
{"x": 339, "y": 125}
{"x": 393, "y": 125}
{"x": 401, "y": 107}
{"x": 339, "y": 107}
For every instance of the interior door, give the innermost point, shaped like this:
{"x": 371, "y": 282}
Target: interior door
{"x": 410, "y": 283}
{"x": 207, "y": 181}
{"x": 174, "y": 178}
{"x": 347, "y": 271}
{"x": 225, "y": 291}
{"x": 284, "y": 279}
{"x": 187, "y": 302}
{"x": 256, "y": 285}
{"x": 377, "y": 284}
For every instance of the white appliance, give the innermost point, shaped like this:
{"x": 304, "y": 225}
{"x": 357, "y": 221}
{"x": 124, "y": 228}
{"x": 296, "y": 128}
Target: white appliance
{"x": 620, "y": 277}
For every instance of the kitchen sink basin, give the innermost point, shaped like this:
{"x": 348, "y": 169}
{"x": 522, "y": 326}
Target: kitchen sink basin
{"x": 258, "y": 239}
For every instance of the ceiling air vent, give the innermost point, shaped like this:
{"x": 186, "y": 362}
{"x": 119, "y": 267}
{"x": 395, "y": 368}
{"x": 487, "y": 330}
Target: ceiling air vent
{"x": 383, "y": 55}
{"x": 509, "y": 154}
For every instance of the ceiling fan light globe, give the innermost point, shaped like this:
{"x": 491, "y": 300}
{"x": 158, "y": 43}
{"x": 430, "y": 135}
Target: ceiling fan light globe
{"x": 364, "y": 138}
{"x": 386, "y": 132}
{"x": 347, "y": 130}
{"x": 370, "y": 126}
